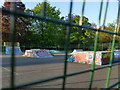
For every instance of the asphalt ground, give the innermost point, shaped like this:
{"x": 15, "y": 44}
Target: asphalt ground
{"x": 28, "y": 69}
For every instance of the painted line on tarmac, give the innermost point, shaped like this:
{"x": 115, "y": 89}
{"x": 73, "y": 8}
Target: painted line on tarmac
{"x": 28, "y": 72}
{"x": 10, "y": 70}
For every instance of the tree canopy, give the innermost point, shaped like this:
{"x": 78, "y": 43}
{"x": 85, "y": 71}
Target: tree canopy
{"x": 106, "y": 37}
{"x": 43, "y": 33}
{"x": 21, "y": 23}
{"x": 46, "y": 33}
{"x": 80, "y": 35}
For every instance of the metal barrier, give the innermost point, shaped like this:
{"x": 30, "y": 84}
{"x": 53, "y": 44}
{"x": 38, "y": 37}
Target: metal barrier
{"x": 68, "y": 24}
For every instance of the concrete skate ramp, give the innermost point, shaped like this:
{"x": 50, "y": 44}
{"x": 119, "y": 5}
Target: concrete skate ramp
{"x": 102, "y": 57}
{"x": 17, "y": 50}
{"x": 38, "y": 53}
{"x": 117, "y": 55}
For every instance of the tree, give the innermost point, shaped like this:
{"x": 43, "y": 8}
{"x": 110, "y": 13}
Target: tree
{"x": 105, "y": 39}
{"x": 21, "y": 23}
{"x": 80, "y": 35}
{"x": 46, "y": 33}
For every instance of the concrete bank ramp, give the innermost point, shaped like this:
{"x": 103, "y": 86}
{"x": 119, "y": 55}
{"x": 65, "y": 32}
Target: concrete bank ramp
{"x": 38, "y": 53}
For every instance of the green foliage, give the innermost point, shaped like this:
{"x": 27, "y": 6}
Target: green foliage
{"x": 109, "y": 49}
{"x": 105, "y": 37}
{"x": 51, "y": 34}
{"x": 45, "y": 33}
{"x": 81, "y": 36}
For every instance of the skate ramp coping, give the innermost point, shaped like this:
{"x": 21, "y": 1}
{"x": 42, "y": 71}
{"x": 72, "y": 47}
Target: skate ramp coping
{"x": 55, "y": 52}
{"x": 76, "y": 50}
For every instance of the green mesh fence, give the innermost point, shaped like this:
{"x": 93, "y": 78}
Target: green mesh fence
{"x": 68, "y": 24}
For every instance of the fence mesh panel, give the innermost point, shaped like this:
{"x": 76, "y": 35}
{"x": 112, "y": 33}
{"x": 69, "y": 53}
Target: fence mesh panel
{"x": 13, "y": 13}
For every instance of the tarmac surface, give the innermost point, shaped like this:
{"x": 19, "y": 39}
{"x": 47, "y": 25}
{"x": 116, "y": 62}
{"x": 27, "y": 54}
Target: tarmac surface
{"x": 30, "y": 69}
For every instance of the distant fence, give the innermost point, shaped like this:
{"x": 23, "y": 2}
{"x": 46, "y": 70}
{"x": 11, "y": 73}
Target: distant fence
{"x": 85, "y": 47}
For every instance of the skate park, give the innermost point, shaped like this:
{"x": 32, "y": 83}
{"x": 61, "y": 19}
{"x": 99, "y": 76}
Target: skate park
{"x": 52, "y": 66}
{"x": 40, "y": 49}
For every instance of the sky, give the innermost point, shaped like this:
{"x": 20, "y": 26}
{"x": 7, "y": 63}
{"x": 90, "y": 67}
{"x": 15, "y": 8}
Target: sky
{"x": 91, "y": 8}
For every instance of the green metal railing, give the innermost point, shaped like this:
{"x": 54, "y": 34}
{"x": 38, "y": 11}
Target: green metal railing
{"x": 68, "y": 24}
